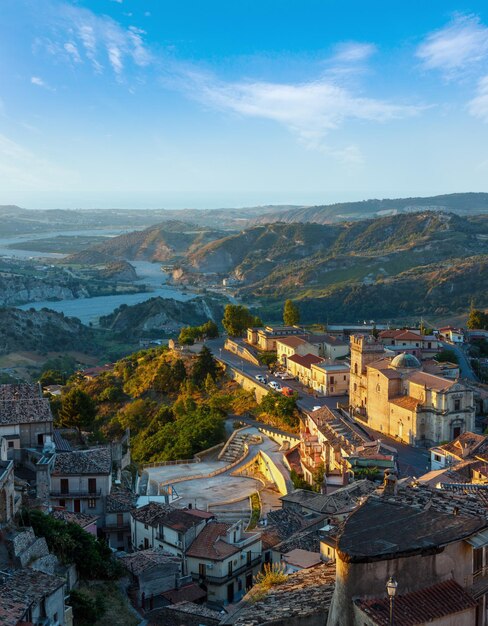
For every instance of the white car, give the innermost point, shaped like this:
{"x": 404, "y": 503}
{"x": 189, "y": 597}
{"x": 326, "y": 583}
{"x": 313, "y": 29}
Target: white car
{"x": 274, "y": 385}
{"x": 260, "y": 378}
{"x": 286, "y": 376}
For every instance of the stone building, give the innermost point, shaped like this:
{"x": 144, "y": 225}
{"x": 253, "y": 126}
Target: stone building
{"x": 394, "y": 396}
{"x": 26, "y": 420}
{"x": 7, "y": 490}
{"x": 433, "y": 543}
{"x": 152, "y": 572}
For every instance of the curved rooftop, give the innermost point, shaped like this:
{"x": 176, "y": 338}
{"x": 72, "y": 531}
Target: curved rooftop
{"x": 405, "y": 361}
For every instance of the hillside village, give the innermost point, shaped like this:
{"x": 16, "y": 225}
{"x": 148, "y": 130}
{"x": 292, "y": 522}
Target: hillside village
{"x": 323, "y": 468}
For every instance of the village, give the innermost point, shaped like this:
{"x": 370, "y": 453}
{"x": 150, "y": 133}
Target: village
{"x": 325, "y": 525}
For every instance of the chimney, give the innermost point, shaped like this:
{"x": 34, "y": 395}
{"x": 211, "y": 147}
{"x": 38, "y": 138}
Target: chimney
{"x": 390, "y": 481}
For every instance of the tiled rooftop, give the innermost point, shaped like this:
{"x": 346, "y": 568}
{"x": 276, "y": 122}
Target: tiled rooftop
{"x": 93, "y": 461}
{"x": 413, "y": 520}
{"x": 23, "y": 588}
{"x": 341, "y": 501}
{"x": 406, "y": 402}
{"x": 211, "y": 542}
{"x": 464, "y": 445}
{"x": 305, "y": 361}
{"x": 420, "y": 607}
{"x": 22, "y": 391}
{"x": 143, "y": 560}
{"x": 156, "y": 513}
{"x": 304, "y": 594}
{"x": 25, "y": 411}
{"x": 120, "y": 500}
{"x": 437, "y": 383}
{"x": 82, "y": 519}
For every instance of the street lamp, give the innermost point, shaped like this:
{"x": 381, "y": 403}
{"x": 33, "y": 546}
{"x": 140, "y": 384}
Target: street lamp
{"x": 391, "y": 588}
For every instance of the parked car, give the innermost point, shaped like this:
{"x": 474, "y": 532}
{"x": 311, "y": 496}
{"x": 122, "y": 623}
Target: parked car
{"x": 287, "y": 391}
{"x": 260, "y": 378}
{"x": 286, "y": 376}
{"x": 274, "y": 385}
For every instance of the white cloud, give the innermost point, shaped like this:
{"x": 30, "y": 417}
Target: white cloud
{"x": 461, "y": 44}
{"x": 37, "y": 80}
{"x": 72, "y": 50}
{"x": 309, "y": 110}
{"x": 353, "y": 52}
{"x": 478, "y": 106}
{"x": 81, "y": 36}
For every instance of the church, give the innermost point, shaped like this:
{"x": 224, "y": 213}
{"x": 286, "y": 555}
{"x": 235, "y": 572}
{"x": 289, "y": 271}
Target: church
{"x": 394, "y": 396}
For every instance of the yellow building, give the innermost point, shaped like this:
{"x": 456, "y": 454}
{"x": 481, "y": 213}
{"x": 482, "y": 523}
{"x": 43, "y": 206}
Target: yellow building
{"x": 394, "y": 396}
{"x": 265, "y": 338}
{"x": 330, "y": 378}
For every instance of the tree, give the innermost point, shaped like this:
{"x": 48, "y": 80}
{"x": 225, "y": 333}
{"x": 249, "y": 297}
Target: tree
{"x": 477, "y": 319}
{"x": 237, "y": 318}
{"x": 52, "y": 377}
{"x": 204, "y": 365}
{"x": 78, "y": 410}
{"x": 210, "y": 330}
{"x": 447, "y": 356}
{"x": 291, "y": 314}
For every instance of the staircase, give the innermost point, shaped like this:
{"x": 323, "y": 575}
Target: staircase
{"x": 235, "y": 449}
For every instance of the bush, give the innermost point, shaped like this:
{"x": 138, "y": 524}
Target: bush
{"x": 86, "y": 610}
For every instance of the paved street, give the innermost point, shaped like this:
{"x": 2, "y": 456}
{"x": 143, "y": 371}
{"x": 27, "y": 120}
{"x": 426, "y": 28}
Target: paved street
{"x": 412, "y": 461}
{"x": 464, "y": 364}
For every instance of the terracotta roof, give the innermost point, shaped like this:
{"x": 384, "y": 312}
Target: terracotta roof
{"x": 406, "y": 402}
{"x": 422, "y": 606}
{"x": 93, "y": 461}
{"x": 430, "y": 381}
{"x": 464, "y": 445}
{"x": 82, "y": 519}
{"x": 183, "y": 519}
{"x": 143, "y": 560}
{"x": 292, "y": 342}
{"x": 211, "y": 544}
{"x": 305, "y": 361}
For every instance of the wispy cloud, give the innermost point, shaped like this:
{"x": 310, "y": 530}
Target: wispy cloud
{"x": 37, "y": 80}
{"x": 460, "y": 45}
{"x": 353, "y": 52}
{"x": 81, "y": 36}
{"x": 310, "y": 110}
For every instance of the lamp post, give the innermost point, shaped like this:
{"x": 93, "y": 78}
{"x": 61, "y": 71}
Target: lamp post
{"x": 391, "y": 588}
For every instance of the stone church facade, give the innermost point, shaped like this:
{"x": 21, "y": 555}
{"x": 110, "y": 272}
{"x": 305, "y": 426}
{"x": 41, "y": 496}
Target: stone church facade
{"x": 394, "y": 396}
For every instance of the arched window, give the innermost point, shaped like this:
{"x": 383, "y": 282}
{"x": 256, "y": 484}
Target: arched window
{"x": 378, "y": 388}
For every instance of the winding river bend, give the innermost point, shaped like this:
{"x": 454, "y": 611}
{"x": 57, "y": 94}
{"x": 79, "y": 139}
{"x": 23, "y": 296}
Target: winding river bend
{"x": 90, "y": 309}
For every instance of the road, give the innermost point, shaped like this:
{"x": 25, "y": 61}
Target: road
{"x": 412, "y": 461}
{"x": 307, "y": 401}
{"x": 464, "y": 364}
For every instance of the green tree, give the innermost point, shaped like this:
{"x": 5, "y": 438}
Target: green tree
{"x": 291, "y": 314}
{"x": 237, "y": 318}
{"x": 477, "y": 319}
{"x": 77, "y": 410}
{"x": 204, "y": 365}
{"x": 210, "y": 329}
{"x": 52, "y": 377}
{"x": 447, "y": 356}
{"x": 178, "y": 372}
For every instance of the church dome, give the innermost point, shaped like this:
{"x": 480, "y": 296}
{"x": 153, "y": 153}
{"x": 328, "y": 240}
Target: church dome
{"x": 405, "y": 361}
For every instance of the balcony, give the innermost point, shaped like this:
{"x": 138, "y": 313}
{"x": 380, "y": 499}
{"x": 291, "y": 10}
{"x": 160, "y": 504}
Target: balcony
{"x": 221, "y": 580}
{"x": 480, "y": 583}
{"x": 73, "y": 493}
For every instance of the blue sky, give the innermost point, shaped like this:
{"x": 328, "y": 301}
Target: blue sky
{"x": 195, "y": 103}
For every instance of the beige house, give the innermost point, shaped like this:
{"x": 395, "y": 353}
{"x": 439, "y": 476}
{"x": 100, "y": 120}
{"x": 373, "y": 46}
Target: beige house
{"x": 224, "y": 559}
{"x": 394, "y": 396}
{"x": 301, "y": 367}
{"x": 265, "y": 338}
{"x": 289, "y": 346}
{"x": 330, "y": 378}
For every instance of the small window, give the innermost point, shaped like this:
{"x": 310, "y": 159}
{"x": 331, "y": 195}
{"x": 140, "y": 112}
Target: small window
{"x": 40, "y": 439}
{"x": 10, "y": 444}
{"x": 437, "y": 458}
{"x": 92, "y": 503}
{"x": 457, "y": 405}
{"x": 146, "y": 527}
{"x": 55, "y": 617}
{"x": 62, "y": 503}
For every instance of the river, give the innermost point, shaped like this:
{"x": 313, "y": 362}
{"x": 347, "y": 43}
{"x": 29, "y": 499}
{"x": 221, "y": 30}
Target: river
{"x": 90, "y": 309}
